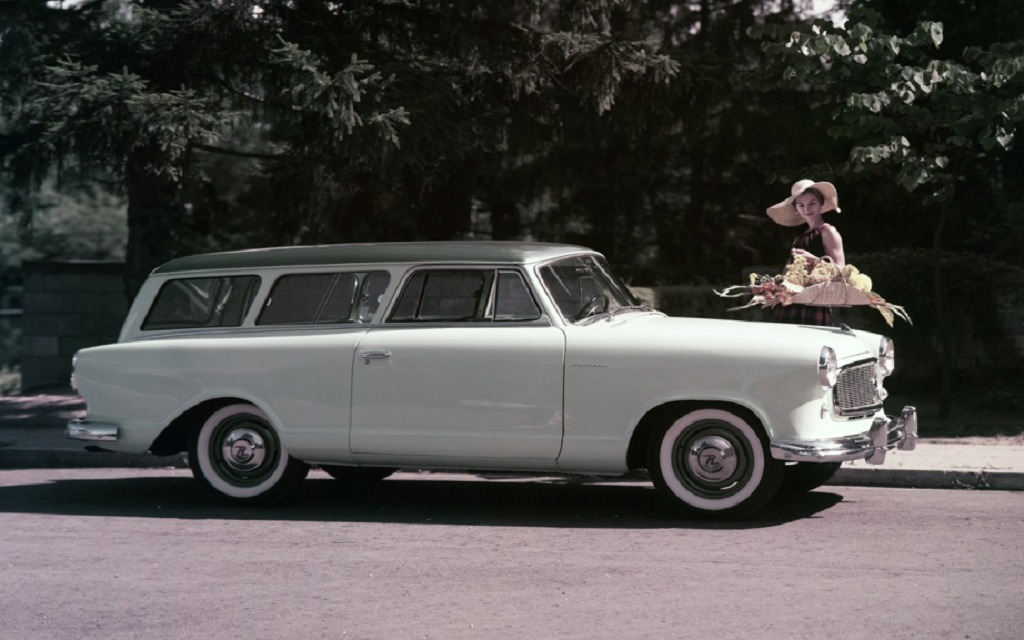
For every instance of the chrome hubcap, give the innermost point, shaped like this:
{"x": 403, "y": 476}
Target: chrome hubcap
{"x": 712, "y": 458}
{"x": 244, "y": 449}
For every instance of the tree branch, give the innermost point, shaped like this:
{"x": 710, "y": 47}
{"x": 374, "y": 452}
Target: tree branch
{"x": 235, "y": 153}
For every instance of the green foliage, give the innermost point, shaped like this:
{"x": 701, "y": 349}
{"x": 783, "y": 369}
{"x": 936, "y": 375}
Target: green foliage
{"x": 70, "y": 222}
{"x": 913, "y": 116}
{"x": 104, "y": 118}
{"x": 333, "y": 97}
{"x": 358, "y": 122}
{"x": 656, "y": 132}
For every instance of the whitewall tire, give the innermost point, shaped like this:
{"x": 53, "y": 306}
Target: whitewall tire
{"x": 237, "y": 454}
{"x": 714, "y": 462}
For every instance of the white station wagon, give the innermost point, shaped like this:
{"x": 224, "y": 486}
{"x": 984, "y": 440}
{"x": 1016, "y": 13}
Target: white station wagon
{"x": 365, "y": 358}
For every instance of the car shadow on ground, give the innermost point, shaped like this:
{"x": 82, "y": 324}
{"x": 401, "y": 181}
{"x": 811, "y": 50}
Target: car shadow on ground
{"x": 476, "y": 501}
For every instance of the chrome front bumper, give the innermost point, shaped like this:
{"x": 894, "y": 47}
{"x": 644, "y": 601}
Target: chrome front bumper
{"x": 79, "y": 429}
{"x": 884, "y": 434}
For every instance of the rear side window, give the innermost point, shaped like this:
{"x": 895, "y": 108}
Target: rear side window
{"x": 202, "y": 302}
{"x": 324, "y": 298}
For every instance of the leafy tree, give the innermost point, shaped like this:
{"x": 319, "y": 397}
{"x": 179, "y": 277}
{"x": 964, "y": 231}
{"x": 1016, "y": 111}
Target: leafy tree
{"x": 355, "y": 114}
{"x": 937, "y": 126}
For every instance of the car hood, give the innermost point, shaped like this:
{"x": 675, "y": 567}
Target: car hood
{"x": 847, "y": 343}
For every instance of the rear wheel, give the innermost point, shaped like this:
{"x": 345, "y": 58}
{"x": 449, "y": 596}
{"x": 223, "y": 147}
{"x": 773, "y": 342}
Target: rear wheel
{"x": 713, "y": 462}
{"x": 237, "y": 454}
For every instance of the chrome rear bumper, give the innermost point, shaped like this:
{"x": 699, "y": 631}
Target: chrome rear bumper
{"x": 93, "y": 431}
{"x": 885, "y": 433}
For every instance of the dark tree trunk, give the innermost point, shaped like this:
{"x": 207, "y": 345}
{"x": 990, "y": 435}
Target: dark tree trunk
{"x": 946, "y": 338}
{"x": 156, "y": 223}
{"x": 505, "y": 221}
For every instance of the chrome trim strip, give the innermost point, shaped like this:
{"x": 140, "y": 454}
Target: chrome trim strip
{"x": 885, "y": 433}
{"x": 79, "y": 429}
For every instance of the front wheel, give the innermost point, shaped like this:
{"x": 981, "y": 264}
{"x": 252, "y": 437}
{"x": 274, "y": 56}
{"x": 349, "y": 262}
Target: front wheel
{"x": 713, "y": 462}
{"x": 238, "y": 455}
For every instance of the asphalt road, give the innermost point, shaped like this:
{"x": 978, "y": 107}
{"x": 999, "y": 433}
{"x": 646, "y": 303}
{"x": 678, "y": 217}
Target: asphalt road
{"x": 138, "y": 553}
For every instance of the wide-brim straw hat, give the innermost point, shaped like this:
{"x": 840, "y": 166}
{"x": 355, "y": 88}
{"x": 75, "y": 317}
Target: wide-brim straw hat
{"x": 785, "y": 213}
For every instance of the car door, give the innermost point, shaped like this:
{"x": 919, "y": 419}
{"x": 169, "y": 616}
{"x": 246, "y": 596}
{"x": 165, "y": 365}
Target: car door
{"x": 311, "y": 325}
{"x": 466, "y": 368}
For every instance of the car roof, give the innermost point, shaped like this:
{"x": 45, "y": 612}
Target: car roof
{"x": 490, "y": 252}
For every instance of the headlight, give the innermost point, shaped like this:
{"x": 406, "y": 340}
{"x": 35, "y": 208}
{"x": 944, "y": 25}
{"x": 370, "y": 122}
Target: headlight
{"x": 827, "y": 369}
{"x": 886, "y": 356}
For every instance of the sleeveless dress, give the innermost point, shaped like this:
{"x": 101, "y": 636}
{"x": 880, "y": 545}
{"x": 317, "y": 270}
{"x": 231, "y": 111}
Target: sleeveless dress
{"x": 811, "y": 242}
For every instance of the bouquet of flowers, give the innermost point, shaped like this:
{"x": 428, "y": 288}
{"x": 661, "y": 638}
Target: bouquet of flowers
{"x": 824, "y": 285}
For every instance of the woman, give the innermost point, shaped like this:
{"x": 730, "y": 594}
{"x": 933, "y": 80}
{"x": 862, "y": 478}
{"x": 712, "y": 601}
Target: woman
{"x": 807, "y": 204}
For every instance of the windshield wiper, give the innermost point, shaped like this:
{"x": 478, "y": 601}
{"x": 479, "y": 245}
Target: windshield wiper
{"x": 632, "y": 307}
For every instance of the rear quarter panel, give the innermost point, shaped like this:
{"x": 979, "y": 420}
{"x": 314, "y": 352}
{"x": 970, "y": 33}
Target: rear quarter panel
{"x": 301, "y": 380}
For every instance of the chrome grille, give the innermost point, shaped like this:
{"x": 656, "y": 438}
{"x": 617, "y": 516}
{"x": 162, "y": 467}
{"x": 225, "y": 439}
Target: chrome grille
{"x": 856, "y": 390}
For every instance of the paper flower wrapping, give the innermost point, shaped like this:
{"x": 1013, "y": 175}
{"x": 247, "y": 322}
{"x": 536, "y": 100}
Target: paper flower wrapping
{"x": 824, "y": 284}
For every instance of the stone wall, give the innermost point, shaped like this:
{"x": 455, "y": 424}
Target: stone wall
{"x": 67, "y": 306}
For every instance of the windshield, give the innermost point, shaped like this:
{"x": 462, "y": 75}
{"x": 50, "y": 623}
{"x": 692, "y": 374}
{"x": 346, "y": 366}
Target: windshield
{"x": 584, "y": 286}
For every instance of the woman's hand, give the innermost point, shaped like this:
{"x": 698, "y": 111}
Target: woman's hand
{"x": 810, "y": 257}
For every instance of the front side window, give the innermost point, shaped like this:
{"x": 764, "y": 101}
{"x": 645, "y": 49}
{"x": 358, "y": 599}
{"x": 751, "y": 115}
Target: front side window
{"x": 513, "y": 300}
{"x": 324, "y": 298}
{"x": 466, "y": 295}
{"x": 442, "y": 295}
{"x": 584, "y": 286}
{"x": 202, "y": 302}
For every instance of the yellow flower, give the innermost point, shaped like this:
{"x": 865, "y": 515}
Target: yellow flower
{"x": 824, "y": 271}
{"x": 861, "y": 281}
{"x": 796, "y": 271}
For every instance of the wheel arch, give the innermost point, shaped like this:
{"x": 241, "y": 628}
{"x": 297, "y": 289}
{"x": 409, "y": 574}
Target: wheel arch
{"x": 176, "y": 435}
{"x": 636, "y": 453}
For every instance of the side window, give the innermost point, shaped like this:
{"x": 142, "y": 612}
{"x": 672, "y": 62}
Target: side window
{"x": 341, "y": 300}
{"x": 324, "y": 298}
{"x": 442, "y": 295}
{"x": 295, "y": 299}
{"x": 407, "y": 305}
{"x": 512, "y": 300}
{"x": 202, "y": 302}
{"x": 372, "y": 294}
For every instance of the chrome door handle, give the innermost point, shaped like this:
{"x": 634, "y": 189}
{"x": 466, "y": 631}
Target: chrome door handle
{"x": 374, "y": 354}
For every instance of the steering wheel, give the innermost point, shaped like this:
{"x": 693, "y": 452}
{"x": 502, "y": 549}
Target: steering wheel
{"x": 597, "y": 304}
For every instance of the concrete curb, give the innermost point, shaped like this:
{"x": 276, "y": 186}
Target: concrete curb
{"x": 929, "y": 479}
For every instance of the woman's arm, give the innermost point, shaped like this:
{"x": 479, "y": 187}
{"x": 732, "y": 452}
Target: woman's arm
{"x": 833, "y": 244}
